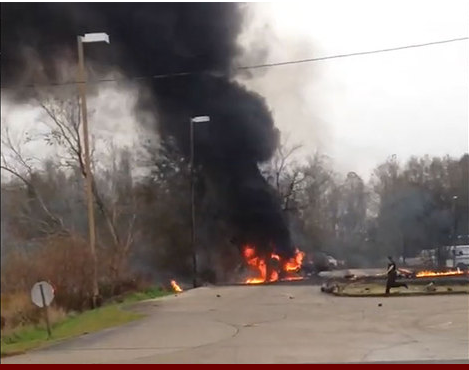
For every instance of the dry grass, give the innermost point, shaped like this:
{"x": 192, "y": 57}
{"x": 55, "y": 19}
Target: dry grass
{"x": 62, "y": 261}
{"x": 18, "y": 311}
{"x": 65, "y": 263}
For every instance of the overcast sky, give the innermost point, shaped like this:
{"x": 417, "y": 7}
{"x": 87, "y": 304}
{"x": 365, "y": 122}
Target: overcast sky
{"x": 358, "y": 110}
{"x": 362, "y": 109}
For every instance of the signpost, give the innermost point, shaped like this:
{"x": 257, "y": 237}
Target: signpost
{"x": 42, "y": 295}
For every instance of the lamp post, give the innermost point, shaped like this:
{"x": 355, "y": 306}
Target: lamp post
{"x": 455, "y": 225}
{"x": 88, "y": 37}
{"x": 198, "y": 119}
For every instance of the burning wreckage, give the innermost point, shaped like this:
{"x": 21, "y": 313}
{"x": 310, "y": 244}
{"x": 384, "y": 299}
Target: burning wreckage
{"x": 272, "y": 267}
{"x": 335, "y": 284}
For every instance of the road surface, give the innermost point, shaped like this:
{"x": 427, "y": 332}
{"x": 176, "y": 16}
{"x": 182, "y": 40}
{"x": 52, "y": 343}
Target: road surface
{"x": 276, "y": 324}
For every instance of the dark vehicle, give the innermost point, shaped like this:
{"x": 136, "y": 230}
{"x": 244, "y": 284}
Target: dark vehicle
{"x": 325, "y": 262}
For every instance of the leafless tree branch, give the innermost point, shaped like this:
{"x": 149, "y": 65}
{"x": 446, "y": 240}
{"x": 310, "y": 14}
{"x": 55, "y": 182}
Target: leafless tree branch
{"x": 32, "y": 188}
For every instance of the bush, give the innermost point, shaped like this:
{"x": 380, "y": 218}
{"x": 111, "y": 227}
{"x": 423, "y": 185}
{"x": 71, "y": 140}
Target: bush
{"x": 62, "y": 261}
{"x": 18, "y": 310}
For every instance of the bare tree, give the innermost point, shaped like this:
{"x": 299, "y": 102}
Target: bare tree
{"x": 18, "y": 164}
{"x": 122, "y": 206}
{"x": 62, "y": 117}
{"x": 285, "y": 174}
{"x": 64, "y": 121}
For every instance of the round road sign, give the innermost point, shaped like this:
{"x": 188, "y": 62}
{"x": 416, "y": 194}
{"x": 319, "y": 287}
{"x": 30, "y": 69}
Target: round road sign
{"x": 37, "y": 295}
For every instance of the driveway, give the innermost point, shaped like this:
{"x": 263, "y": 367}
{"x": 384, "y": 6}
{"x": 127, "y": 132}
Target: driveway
{"x": 276, "y": 324}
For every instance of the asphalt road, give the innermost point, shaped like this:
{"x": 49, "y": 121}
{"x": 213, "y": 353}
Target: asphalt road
{"x": 276, "y": 324}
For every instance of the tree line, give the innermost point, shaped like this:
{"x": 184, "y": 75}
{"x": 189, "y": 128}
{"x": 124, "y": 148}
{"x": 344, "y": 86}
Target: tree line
{"x": 143, "y": 222}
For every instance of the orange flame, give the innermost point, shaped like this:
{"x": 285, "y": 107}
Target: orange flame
{"x": 292, "y": 278}
{"x": 294, "y": 264}
{"x": 259, "y": 265}
{"x": 175, "y": 286}
{"x": 255, "y": 281}
{"x": 428, "y": 273}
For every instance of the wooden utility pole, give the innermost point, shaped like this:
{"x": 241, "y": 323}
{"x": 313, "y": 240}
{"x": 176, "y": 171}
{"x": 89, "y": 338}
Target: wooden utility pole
{"x": 88, "y": 175}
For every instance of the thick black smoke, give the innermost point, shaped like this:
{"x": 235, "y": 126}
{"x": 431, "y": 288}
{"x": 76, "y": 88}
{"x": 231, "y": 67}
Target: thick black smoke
{"x": 160, "y": 38}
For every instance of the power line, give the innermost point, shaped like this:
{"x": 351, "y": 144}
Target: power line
{"x": 353, "y": 54}
{"x": 242, "y": 68}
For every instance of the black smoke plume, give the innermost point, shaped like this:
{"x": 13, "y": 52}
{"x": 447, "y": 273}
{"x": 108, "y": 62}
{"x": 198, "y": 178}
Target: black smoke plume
{"x": 165, "y": 38}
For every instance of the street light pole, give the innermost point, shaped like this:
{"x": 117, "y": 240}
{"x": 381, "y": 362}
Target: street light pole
{"x": 94, "y": 37}
{"x": 194, "y": 256}
{"x": 193, "y": 120}
{"x": 455, "y": 225}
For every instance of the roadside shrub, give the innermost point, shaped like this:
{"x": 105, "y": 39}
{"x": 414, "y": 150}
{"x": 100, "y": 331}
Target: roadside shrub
{"x": 18, "y": 310}
{"x": 62, "y": 261}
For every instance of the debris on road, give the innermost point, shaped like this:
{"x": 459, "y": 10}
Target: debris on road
{"x": 430, "y": 287}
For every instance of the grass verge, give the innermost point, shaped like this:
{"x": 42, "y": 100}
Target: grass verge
{"x": 32, "y": 337}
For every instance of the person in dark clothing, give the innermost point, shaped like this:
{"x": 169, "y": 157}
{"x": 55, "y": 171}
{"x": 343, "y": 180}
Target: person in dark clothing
{"x": 392, "y": 275}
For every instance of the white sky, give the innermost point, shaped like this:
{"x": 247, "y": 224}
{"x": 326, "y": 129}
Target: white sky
{"x": 362, "y": 109}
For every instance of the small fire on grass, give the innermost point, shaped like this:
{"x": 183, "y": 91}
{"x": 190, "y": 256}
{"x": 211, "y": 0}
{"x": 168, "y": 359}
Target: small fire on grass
{"x": 286, "y": 270}
{"x": 429, "y": 273}
{"x": 175, "y": 286}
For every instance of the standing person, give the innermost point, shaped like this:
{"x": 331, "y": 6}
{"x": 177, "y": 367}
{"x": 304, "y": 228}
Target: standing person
{"x": 392, "y": 275}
